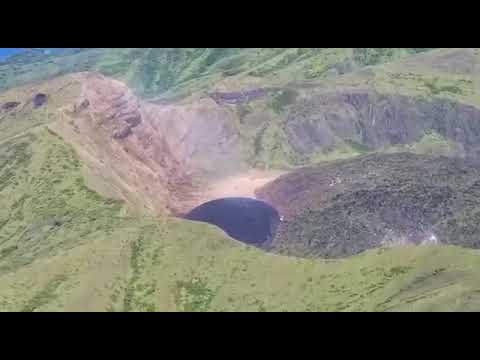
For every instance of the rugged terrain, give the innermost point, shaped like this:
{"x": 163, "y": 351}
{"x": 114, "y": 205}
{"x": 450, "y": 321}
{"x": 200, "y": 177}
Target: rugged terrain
{"x": 176, "y": 72}
{"x": 100, "y": 148}
{"x": 347, "y": 206}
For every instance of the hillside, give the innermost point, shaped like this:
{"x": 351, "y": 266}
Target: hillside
{"x": 426, "y": 103}
{"x": 100, "y": 148}
{"x": 348, "y": 206}
{"x": 64, "y": 248}
{"x": 151, "y": 72}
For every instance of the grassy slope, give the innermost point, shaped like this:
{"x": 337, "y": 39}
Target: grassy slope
{"x": 61, "y": 91}
{"x": 172, "y": 72}
{"x": 62, "y": 247}
{"x": 65, "y": 248}
{"x": 152, "y": 72}
{"x": 441, "y": 73}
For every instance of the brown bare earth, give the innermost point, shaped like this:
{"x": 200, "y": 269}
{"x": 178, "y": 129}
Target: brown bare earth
{"x": 241, "y": 185}
{"x": 157, "y": 158}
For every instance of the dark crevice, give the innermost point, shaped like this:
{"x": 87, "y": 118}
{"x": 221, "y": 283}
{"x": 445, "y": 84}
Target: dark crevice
{"x": 39, "y": 100}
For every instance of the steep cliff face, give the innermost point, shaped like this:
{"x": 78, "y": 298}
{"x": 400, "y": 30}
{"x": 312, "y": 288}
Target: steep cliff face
{"x": 166, "y": 158}
{"x": 376, "y": 121}
{"x": 153, "y": 156}
{"x": 372, "y": 109}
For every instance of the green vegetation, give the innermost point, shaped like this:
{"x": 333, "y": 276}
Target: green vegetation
{"x": 220, "y": 275}
{"x": 341, "y": 150}
{"x": 356, "y": 146}
{"x": 149, "y": 71}
{"x": 425, "y": 84}
{"x": 44, "y": 296}
{"x": 325, "y": 60}
{"x": 271, "y": 148}
{"x": 193, "y": 295}
{"x": 283, "y": 98}
{"x": 373, "y": 56}
{"x": 347, "y": 206}
{"x": 63, "y": 247}
{"x": 431, "y": 143}
{"x": 436, "y": 88}
{"x": 74, "y": 250}
{"x": 153, "y": 71}
{"x": 183, "y": 266}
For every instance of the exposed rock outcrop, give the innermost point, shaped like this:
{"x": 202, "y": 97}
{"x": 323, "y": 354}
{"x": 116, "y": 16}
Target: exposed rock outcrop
{"x": 166, "y": 155}
{"x": 10, "y": 105}
{"x": 81, "y": 106}
{"x": 158, "y": 157}
{"x": 379, "y": 120}
{"x": 123, "y": 133}
{"x": 237, "y": 97}
{"x": 39, "y": 100}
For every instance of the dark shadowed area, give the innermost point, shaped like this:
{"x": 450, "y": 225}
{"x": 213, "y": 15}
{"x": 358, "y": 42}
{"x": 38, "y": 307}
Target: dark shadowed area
{"x": 248, "y": 220}
{"x": 39, "y": 100}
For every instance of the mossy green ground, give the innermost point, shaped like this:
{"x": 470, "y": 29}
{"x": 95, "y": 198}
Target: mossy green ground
{"x": 64, "y": 248}
{"x": 431, "y": 143}
{"x": 446, "y": 74}
{"x": 174, "y": 71}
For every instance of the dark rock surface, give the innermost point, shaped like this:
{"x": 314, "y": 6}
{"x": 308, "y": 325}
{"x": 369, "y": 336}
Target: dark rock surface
{"x": 237, "y": 97}
{"x": 81, "y": 106}
{"x": 123, "y": 133}
{"x": 345, "y": 207}
{"x": 39, "y": 100}
{"x": 377, "y": 120}
{"x": 10, "y": 105}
